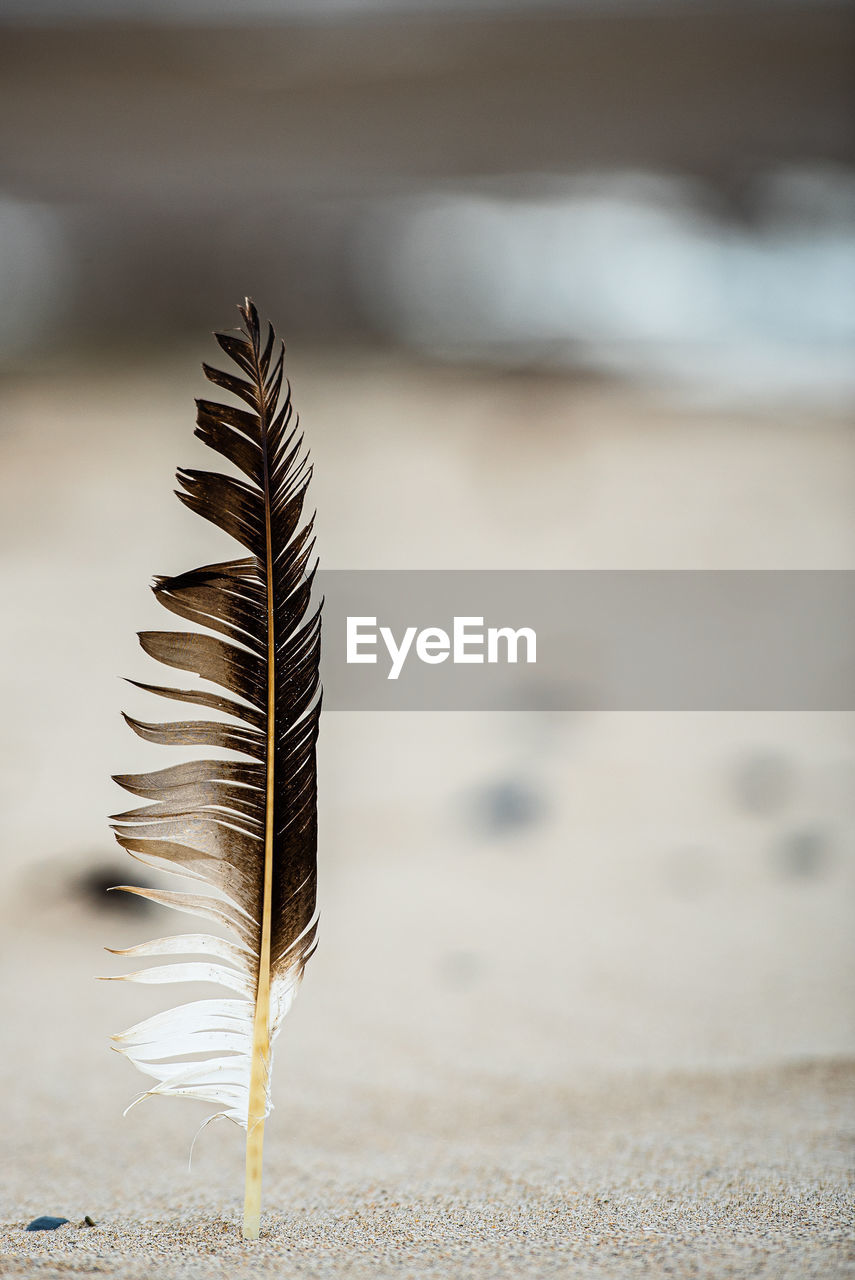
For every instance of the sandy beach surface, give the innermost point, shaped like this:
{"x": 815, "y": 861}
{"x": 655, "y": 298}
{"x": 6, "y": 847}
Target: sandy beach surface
{"x": 584, "y": 1001}
{"x": 386, "y": 1155}
{"x": 460, "y": 1135}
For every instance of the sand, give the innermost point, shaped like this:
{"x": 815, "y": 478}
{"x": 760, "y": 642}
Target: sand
{"x": 391, "y": 1154}
{"x": 727, "y": 1175}
{"x": 612, "y": 1037}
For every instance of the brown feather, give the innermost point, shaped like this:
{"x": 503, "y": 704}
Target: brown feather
{"x": 246, "y": 827}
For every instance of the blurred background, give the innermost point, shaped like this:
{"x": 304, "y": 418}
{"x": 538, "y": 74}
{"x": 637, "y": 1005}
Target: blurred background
{"x": 661, "y": 190}
{"x": 564, "y": 285}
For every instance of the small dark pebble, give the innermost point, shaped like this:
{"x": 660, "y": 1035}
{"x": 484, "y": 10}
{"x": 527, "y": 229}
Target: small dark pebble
{"x": 46, "y": 1224}
{"x": 89, "y": 1222}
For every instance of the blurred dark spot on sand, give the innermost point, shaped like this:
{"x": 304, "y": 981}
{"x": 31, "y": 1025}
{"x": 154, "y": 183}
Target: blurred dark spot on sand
{"x": 93, "y": 885}
{"x": 506, "y": 808}
{"x": 46, "y": 1223}
{"x": 762, "y": 783}
{"x": 803, "y": 853}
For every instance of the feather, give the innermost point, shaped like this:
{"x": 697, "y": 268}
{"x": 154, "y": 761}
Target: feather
{"x": 246, "y": 828}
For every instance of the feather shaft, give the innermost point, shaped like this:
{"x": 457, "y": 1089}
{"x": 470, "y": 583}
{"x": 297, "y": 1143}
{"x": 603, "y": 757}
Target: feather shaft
{"x": 260, "y": 1069}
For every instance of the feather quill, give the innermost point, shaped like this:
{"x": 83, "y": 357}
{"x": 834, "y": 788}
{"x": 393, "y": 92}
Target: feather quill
{"x": 245, "y": 827}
